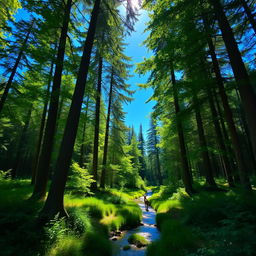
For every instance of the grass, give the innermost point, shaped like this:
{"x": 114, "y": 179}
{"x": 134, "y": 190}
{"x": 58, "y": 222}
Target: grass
{"x": 209, "y": 223}
{"x": 84, "y": 233}
{"x": 138, "y": 240}
{"x": 115, "y": 215}
{"x": 68, "y": 246}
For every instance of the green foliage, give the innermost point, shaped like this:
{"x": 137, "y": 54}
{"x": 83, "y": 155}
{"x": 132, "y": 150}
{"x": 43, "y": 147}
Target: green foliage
{"x": 90, "y": 219}
{"x": 209, "y": 223}
{"x": 7, "y": 9}
{"x": 175, "y": 238}
{"x": 68, "y": 246}
{"x": 79, "y": 180}
{"x": 138, "y": 240}
{"x": 5, "y": 175}
{"x": 113, "y": 209}
{"x": 95, "y": 244}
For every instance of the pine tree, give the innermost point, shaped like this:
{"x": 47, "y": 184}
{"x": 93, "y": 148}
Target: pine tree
{"x": 153, "y": 149}
{"x": 141, "y": 146}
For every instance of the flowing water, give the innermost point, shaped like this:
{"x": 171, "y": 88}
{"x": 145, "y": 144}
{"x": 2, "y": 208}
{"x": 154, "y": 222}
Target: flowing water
{"x": 148, "y": 230}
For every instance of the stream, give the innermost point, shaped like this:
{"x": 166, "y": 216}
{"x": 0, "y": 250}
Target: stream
{"x": 148, "y": 229}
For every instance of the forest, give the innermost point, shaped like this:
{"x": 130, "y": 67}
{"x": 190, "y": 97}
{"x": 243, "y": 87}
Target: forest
{"x": 76, "y": 178}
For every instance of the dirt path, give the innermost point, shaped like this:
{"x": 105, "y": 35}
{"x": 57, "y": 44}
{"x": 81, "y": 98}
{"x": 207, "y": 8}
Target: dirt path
{"x": 148, "y": 230}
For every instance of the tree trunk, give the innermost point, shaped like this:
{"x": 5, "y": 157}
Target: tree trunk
{"x": 203, "y": 144}
{"x": 158, "y": 165}
{"x": 186, "y": 174}
{"x": 245, "y": 131}
{"x": 42, "y": 127}
{"x": 241, "y": 76}
{"x": 229, "y": 117}
{"x": 105, "y": 154}
{"x": 14, "y": 69}
{"x": 97, "y": 127}
{"x": 220, "y": 140}
{"x": 54, "y": 203}
{"x": 42, "y": 172}
{"x": 82, "y": 148}
{"x": 22, "y": 143}
{"x": 249, "y": 14}
{"x": 228, "y": 143}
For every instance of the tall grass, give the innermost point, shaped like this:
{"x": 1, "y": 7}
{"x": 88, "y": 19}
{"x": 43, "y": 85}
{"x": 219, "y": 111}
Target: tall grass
{"x": 209, "y": 223}
{"x": 91, "y": 218}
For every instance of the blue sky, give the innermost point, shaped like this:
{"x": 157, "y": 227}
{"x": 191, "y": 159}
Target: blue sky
{"x": 138, "y": 110}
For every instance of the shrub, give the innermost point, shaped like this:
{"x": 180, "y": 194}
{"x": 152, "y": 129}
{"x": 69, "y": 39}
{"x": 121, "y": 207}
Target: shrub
{"x": 175, "y": 238}
{"x": 5, "y": 175}
{"x": 79, "y": 181}
{"x": 96, "y": 244}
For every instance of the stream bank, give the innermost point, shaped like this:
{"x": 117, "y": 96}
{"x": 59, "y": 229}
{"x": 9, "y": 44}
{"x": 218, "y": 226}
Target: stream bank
{"x": 147, "y": 229}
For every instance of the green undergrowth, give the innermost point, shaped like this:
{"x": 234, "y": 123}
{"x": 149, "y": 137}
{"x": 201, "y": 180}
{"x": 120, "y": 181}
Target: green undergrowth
{"x": 138, "y": 240}
{"x": 85, "y": 232}
{"x": 209, "y": 223}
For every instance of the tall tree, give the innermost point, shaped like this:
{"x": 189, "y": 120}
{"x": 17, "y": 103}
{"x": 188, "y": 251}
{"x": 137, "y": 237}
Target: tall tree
{"x": 245, "y": 88}
{"x": 54, "y": 203}
{"x": 15, "y": 67}
{"x": 42, "y": 172}
{"x": 97, "y": 125}
{"x": 105, "y": 153}
{"x": 227, "y": 110}
{"x": 186, "y": 172}
{"x": 153, "y": 149}
{"x": 141, "y": 146}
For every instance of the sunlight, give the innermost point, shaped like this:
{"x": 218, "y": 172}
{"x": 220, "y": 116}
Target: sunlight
{"x": 135, "y": 4}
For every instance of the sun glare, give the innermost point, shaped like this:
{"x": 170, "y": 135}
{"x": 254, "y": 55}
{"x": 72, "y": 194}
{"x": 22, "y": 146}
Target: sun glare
{"x": 135, "y": 4}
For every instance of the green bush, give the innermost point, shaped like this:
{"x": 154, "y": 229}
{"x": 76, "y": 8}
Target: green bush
{"x": 175, "y": 238}
{"x": 96, "y": 244}
{"x": 5, "y": 175}
{"x": 209, "y": 223}
{"x": 79, "y": 181}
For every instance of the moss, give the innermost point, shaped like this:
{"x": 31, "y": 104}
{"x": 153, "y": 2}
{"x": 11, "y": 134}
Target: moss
{"x": 126, "y": 247}
{"x": 96, "y": 244}
{"x": 138, "y": 240}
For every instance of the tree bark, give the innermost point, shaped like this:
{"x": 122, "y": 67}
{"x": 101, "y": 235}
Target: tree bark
{"x": 105, "y": 153}
{"x": 97, "y": 127}
{"x": 228, "y": 143}
{"x": 43, "y": 169}
{"x": 203, "y": 144}
{"x": 229, "y": 117}
{"x": 158, "y": 165}
{"x": 220, "y": 139}
{"x": 82, "y": 148}
{"x": 186, "y": 174}
{"x": 54, "y": 203}
{"x": 14, "y": 69}
{"x": 42, "y": 127}
{"x": 248, "y": 96}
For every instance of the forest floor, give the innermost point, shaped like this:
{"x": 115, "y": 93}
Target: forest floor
{"x": 207, "y": 224}
{"x": 87, "y": 231}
